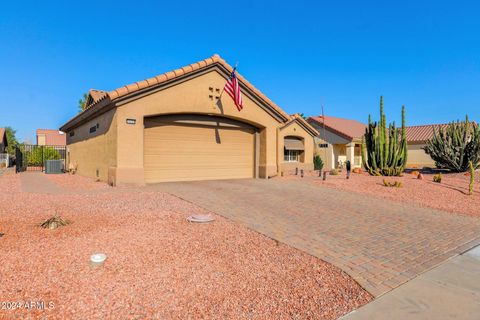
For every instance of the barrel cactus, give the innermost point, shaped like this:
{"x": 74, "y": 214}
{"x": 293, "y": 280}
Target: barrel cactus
{"x": 384, "y": 150}
{"x": 455, "y": 146}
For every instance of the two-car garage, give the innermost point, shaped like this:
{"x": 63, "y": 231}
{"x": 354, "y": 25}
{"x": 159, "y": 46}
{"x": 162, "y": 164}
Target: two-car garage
{"x": 196, "y": 147}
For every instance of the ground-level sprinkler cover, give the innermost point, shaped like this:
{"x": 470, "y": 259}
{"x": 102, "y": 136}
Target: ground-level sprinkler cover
{"x": 98, "y": 258}
{"x": 200, "y": 218}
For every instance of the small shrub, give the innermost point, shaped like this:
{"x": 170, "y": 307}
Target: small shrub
{"x": 334, "y": 172}
{"x": 437, "y": 178}
{"x": 394, "y": 184}
{"x": 54, "y": 222}
{"x": 415, "y": 173}
{"x": 317, "y": 162}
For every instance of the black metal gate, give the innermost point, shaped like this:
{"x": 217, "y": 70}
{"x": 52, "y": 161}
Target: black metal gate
{"x": 30, "y": 157}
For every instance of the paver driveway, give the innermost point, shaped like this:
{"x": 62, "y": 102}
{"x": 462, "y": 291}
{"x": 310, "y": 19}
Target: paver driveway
{"x": 380, "y": 243}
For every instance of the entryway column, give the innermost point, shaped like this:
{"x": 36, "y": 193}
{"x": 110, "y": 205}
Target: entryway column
{"x": 351, "y": 153}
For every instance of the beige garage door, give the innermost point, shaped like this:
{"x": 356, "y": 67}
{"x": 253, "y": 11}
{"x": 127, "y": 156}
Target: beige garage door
{"x": 197, "y": 148}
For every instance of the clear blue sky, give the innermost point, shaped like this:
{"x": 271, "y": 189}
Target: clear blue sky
{"x": 345, "y": 54}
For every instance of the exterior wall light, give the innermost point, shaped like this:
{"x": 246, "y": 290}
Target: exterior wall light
{"x": 131, "y": 121}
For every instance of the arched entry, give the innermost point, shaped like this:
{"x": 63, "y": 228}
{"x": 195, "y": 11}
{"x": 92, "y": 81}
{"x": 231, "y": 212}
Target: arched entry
{"x": 186, "y": 147}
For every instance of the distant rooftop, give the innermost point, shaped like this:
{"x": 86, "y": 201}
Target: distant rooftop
{"x": 424, "y": 132}
{"x": 52, "y": 137}
{"x": 351, "y": 129}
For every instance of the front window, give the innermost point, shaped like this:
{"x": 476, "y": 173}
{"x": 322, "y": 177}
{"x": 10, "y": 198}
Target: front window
{"x": 291, "y": 155}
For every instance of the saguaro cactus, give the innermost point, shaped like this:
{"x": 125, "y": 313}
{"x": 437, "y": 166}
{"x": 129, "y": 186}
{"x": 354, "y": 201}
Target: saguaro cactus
{"x": 384, "y": 150}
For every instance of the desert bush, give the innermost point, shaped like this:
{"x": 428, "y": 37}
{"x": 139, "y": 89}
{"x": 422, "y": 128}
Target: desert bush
{"x": 415, "y": 173}
{"x": 437, "y": 178}
{"x": 54, "y": 222}
{"x": 41, "y": 154}
{"x": 334, "y": 172}
{"x": 396, "y": 184}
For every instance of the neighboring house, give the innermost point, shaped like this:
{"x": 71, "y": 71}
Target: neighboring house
{"x": 338, "y": 140}
{"x": 180, "y": 126}
{"x": 48, "y": 137}
{"x": 3, "y": 140}
{"x": 343, "y": 139}
{"x": 3, "y": 145}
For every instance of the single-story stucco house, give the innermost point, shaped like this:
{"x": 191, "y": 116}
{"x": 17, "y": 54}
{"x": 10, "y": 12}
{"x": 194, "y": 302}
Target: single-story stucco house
{"x": 179, "y": 126}
{"x": 417, "y": 137}
{"x": 340, "y": 140}
{"x": 3, "y": 146}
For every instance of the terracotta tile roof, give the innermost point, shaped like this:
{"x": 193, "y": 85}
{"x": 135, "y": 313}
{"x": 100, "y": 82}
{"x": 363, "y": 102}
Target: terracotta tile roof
{"x": 354, "y": 129}
{"x": 99, "y": 95}
{"x": 53, "y": 137}
{"x": 350, "y": 129}
{"x": 96, "y": 95}
{"x": 424, "y": 132}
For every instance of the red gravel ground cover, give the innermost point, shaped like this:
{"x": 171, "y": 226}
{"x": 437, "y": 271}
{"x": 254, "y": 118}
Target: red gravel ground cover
{"x": 450, "y": 195}
{"x": 159, "y": 265}
{"x": 76, "y": 182}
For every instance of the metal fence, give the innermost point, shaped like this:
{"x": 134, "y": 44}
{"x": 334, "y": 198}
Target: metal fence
{"x": 29, "y": 157}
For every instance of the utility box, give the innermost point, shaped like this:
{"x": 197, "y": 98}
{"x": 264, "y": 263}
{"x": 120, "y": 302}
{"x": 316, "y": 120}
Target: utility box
{"x": 54, "y": 166}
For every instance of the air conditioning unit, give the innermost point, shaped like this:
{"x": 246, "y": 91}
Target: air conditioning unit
{"x": 54, "y": 166}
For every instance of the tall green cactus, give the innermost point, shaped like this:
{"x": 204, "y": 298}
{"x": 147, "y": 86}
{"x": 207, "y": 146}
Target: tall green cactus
{"x": 472, "y": 178}
{"x": 454, "y": 146}
{"x": 384, "y": 150}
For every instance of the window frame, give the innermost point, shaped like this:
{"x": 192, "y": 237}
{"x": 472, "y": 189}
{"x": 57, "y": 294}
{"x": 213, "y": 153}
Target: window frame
{"x": 291, "y": 156}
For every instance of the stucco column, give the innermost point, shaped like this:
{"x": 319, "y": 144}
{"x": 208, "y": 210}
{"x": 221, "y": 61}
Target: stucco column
{"x": 351, "y": 153}
{"x": 331, "y": 151}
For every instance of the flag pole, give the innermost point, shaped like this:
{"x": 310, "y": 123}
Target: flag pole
{"x": 324, "y": 137}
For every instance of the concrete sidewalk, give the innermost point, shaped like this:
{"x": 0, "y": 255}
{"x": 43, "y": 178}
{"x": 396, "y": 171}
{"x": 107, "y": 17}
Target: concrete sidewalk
{"x": 449, "y": 291}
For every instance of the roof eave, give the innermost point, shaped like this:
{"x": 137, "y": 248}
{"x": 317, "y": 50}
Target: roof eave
{"x": 96, "y": 109}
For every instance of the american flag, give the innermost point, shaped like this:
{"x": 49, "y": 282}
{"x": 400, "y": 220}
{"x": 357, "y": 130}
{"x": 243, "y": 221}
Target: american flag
{"x": 233, "y": 89}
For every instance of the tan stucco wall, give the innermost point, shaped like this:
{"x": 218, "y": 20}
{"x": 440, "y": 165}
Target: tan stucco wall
{"x": 94, "y": 151}
{"x": 327, "y": 154}
{"x": 417, "y": 156}
{"x": 191, "y": 96}
{"x": 295, "y": 130}
{"x": 41, "y": 140}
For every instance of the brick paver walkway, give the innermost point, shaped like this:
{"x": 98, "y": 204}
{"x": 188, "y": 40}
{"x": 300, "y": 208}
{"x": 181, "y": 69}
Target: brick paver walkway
{"x": 380, "y": 243}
